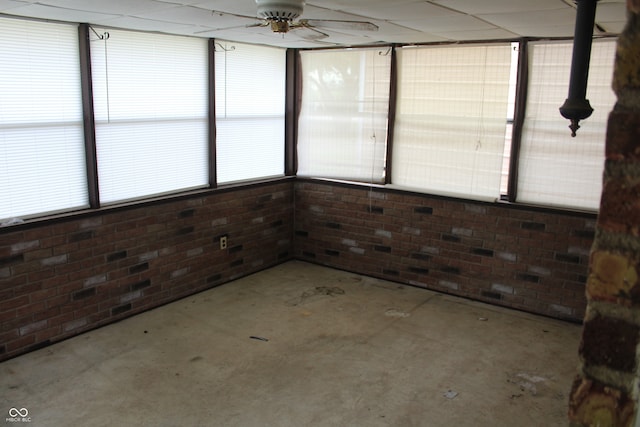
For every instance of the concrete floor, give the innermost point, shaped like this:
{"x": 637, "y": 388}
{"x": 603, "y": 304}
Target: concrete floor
{"x": 303, "y": 345}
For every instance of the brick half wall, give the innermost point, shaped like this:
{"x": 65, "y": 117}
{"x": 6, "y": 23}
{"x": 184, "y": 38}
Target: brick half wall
{"x": 529, "y": 259}
{"x": 61, "y": 279}
{"x": 64, "y": 278}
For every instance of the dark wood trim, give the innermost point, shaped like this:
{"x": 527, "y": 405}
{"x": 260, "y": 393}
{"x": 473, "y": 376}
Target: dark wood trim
{"x": 381, "y": 188}
{"x": 391, "y": 120}
{"x": 188, "y": 195}
{"x": 88, "y": 117}
{"x": 518, "y": 119}
{"x": 291, "y": 112}
{"x": 298, "y": 99}
{"x": 51, "y": 219}
{"x": 213, "y": 180}
{"x": 456, "y": 42}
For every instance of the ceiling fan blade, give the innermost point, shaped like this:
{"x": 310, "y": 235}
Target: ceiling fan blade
{"x": 311, "y": 33}
{"x": 323, "y": 43}
{"x": 339, "y": 25}
{"x": 221, "y": 13}
{"x": 257, "y": 24}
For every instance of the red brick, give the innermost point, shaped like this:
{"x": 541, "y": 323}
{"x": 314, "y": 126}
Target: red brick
{"x": 42, "y": 274}
{"x": 43, "y": 294}
{"x": 58, "y": 301}
{"x": 31, "y": 309}
{"x": 14, "y": 282}
{"x": 48, "y": 334}
{"x": 55, "y": 281}
{"x": 20, "y": 343}
{"x": 37, "y": 233}
{"x": 9, "y": 336}
{"x": 7, "y": 315}
{"x": 48, "y": 314}
{"x": 38, "y": 254}
{"x": 14, "y": 303}
{"x": 60, "y": 319}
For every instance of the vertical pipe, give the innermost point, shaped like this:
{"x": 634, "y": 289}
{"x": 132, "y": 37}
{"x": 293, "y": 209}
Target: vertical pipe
{"x": 576, "y": 107}
{"x": 585, "y": 19}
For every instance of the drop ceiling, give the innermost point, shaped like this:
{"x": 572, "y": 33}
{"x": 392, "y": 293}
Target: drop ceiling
{"x": 399, "y": 21}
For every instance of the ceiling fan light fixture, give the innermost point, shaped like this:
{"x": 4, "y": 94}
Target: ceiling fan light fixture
{"x": 279, "y": 26}
{"x": 280, "y": 11}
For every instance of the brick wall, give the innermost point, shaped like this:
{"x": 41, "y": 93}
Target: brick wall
{"x": 528, "y": 259}
{"x": 60, "y": 279}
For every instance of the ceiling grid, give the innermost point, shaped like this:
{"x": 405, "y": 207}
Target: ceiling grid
{"x": 398, "y": 21}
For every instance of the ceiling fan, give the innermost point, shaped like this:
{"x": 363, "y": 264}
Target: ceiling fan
{"x": 280, "y": 16}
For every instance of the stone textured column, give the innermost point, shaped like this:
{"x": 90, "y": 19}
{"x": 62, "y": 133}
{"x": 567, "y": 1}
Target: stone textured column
{"x": 605, "y": 392}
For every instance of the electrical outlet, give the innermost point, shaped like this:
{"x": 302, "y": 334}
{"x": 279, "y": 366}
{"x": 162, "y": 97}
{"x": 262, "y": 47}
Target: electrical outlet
{"x": 223, "y": 242}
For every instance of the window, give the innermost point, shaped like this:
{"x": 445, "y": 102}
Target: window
{"x": 342, "y": 128}
{"x": 454, "y": 111}
{"x": 250, "y": 106}
{"x": 151, "y": 113}
{"x": 451, "y": 119}
{"x": 42, "y": 159}
{"x": 554, "y": 168}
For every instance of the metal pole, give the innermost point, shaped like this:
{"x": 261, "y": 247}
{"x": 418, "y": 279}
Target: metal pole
{"x": 576, "y": 107}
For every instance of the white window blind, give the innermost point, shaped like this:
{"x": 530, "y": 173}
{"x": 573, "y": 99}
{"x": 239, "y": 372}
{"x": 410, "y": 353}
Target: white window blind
{"x": 342, "y": 128}
{"x": 42, "y": 163}
{"x": 250, "y": 106}
{"x": 554, "y": 168}
{"x": 151, "y": 108}
{"x": 451, "y": 119}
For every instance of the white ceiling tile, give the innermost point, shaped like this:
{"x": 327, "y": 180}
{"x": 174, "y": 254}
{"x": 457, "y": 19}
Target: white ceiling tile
{"x": 418, "y": 37}
{"x": 456, "y": 22}
{"x": 548, "y": 18}
{"x": 180, "y": 2}
{"x": 312, "y": 12}
{"x": 115, "y": 7}
{"x": 611, "y": 12}
{"x": 247, "y": 8}
{"x": 57, "y": 13}
{"x": 489, "y": 34}
{"x": 6, "y": 5}
{"x": 134, "y": 23}
{"x": 195, "y": 16}
{"x": 546, "y": 31}
{"x": 612, "y": 27}
{"x": 500, "y": 6}
{"x": 345, "y": 4}
{"x": 400, "y": 12}
{"x": 392, "y": 33}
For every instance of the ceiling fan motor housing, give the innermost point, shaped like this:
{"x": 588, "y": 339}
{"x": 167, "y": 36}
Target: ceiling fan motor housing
{"x": 280, "y": 10}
